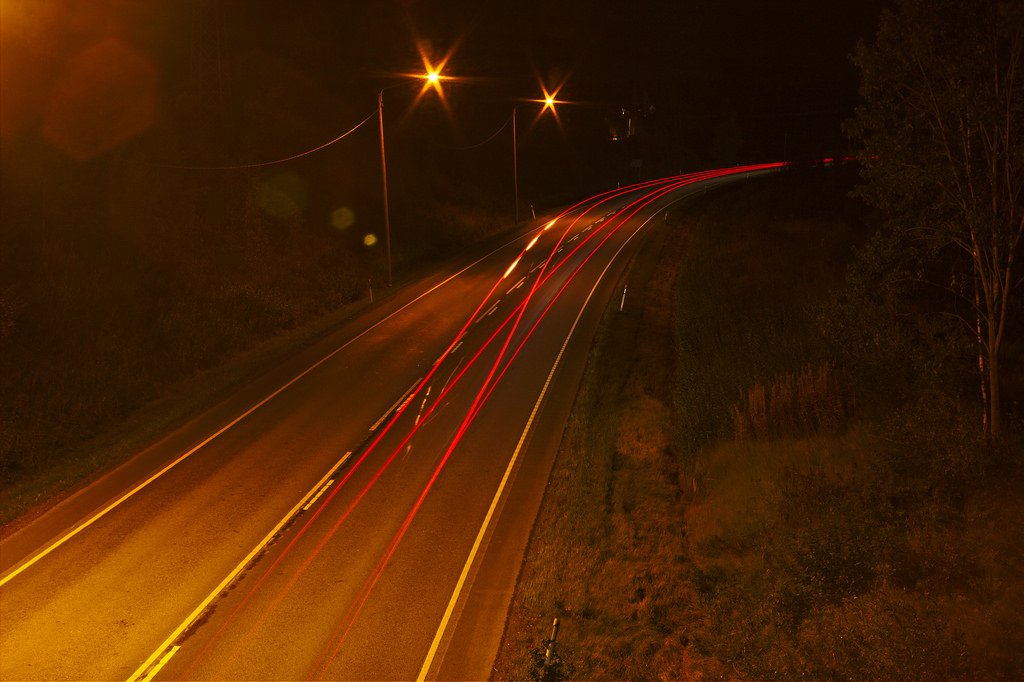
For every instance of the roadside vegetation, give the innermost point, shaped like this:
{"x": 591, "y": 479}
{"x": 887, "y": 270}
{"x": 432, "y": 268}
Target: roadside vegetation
{"x": 777, "y": 466}
{"x": 104, "y": 319}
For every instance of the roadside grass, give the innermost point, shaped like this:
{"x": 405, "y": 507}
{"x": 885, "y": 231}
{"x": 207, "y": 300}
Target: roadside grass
{"x": 108, "y": 341}
{"x": 735, "y": 498}
{"x": 65, "y": 468}
{"x": 600, "y": 558}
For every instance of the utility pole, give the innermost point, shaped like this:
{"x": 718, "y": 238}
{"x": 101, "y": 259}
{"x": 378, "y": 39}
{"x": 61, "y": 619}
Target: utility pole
{"x": 384, "y": 176}
{"x": 515, "y": 163}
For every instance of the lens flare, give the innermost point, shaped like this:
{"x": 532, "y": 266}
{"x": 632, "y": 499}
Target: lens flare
{"x": 282, "y": 195}
{"x": 342, "y": 218}
{"x": 106, "y": 96}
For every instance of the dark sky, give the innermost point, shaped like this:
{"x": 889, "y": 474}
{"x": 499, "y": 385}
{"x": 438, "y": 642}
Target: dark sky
{"x": 705, "y": 81}
{"x": 778, "y": 65}
{"x": 767, "y": 58}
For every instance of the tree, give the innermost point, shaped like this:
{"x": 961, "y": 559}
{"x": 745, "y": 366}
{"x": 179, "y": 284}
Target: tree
{"x": 943, "y": 154}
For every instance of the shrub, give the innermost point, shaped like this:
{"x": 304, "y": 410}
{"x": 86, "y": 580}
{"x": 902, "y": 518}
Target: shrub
{"x": 813, "y": 400}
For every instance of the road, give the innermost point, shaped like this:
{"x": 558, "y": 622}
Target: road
{"x": 360, "y": 511}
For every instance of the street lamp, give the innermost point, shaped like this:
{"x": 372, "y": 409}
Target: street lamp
{"x": 515, "y": 164}
{"x": 549, "y": 102}
{"x": 384, "y": 180}
{"x": 433, "y": 78}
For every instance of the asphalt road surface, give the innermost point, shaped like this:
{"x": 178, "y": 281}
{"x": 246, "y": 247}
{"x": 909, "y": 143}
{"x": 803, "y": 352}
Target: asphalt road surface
{"x": 360, "y": 511}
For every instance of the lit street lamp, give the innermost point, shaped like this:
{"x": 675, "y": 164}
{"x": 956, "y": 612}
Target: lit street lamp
{"x": 549, "y": 102}
{"x": 432, "y": 78}
{"x": 515, "y": 164}
{"x": 384, "y": 180}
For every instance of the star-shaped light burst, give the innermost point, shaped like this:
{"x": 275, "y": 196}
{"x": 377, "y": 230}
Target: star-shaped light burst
{"x": 549, "y": 103}
{"x": 432, "y": 75}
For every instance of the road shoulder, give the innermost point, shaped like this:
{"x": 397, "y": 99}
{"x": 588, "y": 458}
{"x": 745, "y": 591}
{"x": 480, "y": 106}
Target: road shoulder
{"x": 623, "y": 403}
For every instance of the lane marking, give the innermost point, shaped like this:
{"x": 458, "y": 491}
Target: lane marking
{"x": 460, "y": 584}
{"x": 161, "y": 664}
{"x": 447, "y": 381}
{"x": 491, "y": 311}
{"x": 398, "y": 402}
{"x": 517, "y": 284}
{"x": 325, "y": 486}
{"x": 31, "y": 561}
{"x": 198, "y": 611}
{"x": 407, "y": 401}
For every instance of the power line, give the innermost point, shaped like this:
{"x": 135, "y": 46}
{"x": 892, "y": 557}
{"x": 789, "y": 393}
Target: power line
{"x": 278, "y": 161}
{"x": 478, "y": 144}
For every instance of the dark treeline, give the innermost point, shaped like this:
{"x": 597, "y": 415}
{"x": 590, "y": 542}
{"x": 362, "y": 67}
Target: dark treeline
{"x": 144, "y": 236}
{"x": 129, "y": 260}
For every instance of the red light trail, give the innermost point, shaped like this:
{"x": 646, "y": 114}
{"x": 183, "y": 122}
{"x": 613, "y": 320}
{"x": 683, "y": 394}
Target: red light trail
{"x": 484, "y": 393}
{"x": 496, "y": 372}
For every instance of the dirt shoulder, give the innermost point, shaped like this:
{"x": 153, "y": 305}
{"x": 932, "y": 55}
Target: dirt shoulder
{"x": 598, "y": 546}
{"x": 769, "y": 474}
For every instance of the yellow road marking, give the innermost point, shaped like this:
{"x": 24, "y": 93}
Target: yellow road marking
{"x": 198, "y": 611}
{"x": 443, "y": 626}
{"x": 517, "y": 285}
{"x": 116, "y": 503}
{"x": 321, "y": 492}
{"x": 397, "y": 403}
{"x": 161, "y": 664}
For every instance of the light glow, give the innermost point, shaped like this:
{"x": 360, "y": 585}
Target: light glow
{"x": 550, "y": 100}
{"x": 500, "y": 366}
{"x": 511, "y": 268}
{"x": 532, "y": 242}
{"x": 432, "y": 74}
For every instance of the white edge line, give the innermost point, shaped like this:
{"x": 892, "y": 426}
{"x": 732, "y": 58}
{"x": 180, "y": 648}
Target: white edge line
{"x": 443, "y": 626}
{"x": 198, "y": 611}
{"x": 116, "y": 503}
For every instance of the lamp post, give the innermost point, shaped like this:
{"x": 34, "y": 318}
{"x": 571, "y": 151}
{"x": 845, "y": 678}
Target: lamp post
{"x": 515, "y": 163}
{"x": 384, "y": 180}
{"x": 433, "y": 77}
{"x": 549, "y": 102}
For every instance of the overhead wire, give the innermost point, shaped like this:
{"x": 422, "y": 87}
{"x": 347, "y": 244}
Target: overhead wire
{"x": 478, "y": 144}
{"x": 277, "y": 161}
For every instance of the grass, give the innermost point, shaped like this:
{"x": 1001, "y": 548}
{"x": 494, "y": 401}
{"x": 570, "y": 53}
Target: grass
{"x": 599, "y": 559}
{"x": 111, "y": 337}
{"x": 736, "y": 498}
{"x": 180, "y": 401}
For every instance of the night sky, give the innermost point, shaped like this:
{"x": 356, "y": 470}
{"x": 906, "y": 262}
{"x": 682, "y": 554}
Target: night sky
{"x": 774, "y": 66}
{"x": 649, "y": 89}
{"x": 779, "y": 71}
